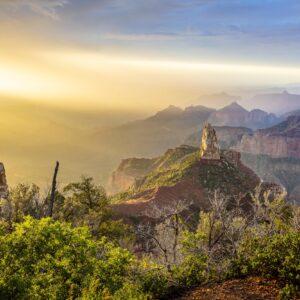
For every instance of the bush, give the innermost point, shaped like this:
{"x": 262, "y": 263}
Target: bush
{"x": 274, "y": 256}
{"x": 43, "y": 259}
{"x": 191, "y": 272}
{"x": 130, "y": 292}
{"x": 152, "y": 278}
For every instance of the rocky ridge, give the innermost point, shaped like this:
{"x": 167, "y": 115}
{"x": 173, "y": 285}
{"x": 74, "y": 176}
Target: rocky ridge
{"x": 185, "y": 175}
{"x": 236, "y": 116}
{"x": 282, "y": 140}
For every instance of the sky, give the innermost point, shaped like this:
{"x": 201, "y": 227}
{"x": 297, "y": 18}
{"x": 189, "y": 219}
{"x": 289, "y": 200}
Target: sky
{"x": 134, "y": 54}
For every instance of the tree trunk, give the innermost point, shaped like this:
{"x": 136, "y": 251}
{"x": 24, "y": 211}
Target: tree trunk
{"x": 53, "y": 190}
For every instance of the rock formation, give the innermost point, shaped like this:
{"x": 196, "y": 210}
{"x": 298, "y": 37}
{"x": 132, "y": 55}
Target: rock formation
{"x": 209, "y": 144}
{"x": 282, "y": 140}
{"x": 128, "y": 172}
{"x": 132, "y": 170}
{"x": 3, "y": 183}
{"x": 189, "y": 181}
{"x": 227, "y": 136}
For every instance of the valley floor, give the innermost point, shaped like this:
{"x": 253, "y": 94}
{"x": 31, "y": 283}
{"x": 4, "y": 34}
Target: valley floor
{"x": 252, "y": 288}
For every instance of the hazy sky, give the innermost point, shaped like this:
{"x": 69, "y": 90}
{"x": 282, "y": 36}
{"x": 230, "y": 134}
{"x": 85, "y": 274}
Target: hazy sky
{"x": 144, "y": 53}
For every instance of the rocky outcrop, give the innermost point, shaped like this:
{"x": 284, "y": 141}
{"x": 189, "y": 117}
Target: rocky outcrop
{"x": 132, "y": 170}
{"x": 282, "y": 140}
{"x": 189, "y": 182}
{"x": 180, "y": 176}
{"x": 3, "y": 183}
{"x": 227, "y": 136}
{"x": 284, "y": 171}
{"x": 128, "y": 172}
{"x": 209, "y": 148}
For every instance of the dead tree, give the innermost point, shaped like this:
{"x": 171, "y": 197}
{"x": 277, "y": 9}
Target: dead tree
{"x": 53, "y": 191}
{"x": 165, "y": 234}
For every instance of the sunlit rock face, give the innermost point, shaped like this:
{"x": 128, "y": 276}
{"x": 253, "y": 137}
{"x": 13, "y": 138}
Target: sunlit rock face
{"x": 282, "y": 140}
{"x": 3, "y": 183}
{"x": 209, "y": 144}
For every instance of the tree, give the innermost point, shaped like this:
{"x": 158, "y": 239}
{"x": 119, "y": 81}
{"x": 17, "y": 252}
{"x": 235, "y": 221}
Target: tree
{"x": 23, "y": 200}
{"x": 162, "y": 238}
{"x": 86, "y": 203}
{"x": 83, "y": 197}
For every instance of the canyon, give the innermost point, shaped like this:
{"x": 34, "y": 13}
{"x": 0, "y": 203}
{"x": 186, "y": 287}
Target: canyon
{"x": 185, "y": 176}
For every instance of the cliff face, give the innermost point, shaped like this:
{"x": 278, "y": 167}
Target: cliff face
{"x": 132, "y": 170}
{"x": 284, "y": 171}
{"x": 3, "y": 183}
{"x": 273, "y": 146}
{"x": 128, "y": 173}
{"x": 282, "y": 140}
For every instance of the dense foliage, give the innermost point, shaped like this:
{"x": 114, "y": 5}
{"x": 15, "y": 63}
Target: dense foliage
{"x": 44, "y": 259}
{"x": 85, "y": 252}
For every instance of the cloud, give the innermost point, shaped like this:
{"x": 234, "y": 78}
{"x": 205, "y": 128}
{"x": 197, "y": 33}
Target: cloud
{"x": 46, "y": 8}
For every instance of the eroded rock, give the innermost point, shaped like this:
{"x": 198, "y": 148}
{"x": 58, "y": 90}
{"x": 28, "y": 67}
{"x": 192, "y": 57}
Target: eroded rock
{"x": 209, "y": 144}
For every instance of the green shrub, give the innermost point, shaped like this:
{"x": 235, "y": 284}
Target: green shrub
{"x": 130, "y": 292}
{"x": 274, "y": 256}
{"x": 152, "y": 278}
{"x": 290, "y": 291}
{"x": 192, "y": 271}
{"x": 43, "y": 259}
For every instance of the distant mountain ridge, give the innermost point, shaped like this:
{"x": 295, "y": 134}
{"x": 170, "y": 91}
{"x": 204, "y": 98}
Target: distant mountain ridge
{"x": 278, "y": 103}
{"x": 152, "y": 136}
{"x": 219, "y": 99}
{"x": 170, "y": 127}
{"x": 237, "y": 116}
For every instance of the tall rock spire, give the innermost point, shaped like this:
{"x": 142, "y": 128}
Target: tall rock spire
{"x": 209, "y": 145}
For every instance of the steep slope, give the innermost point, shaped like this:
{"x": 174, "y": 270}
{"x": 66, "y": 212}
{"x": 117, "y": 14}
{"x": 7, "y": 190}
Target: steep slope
{"x": 236, "y": 116}
{"x": 187, "y": 177}
{"x": 282, "y": 140}
{"x": 274, "y": 154}
{"x": 132, "y": 170}
{"x": 191, "y": 180}
{"x": 284, "y": 171}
